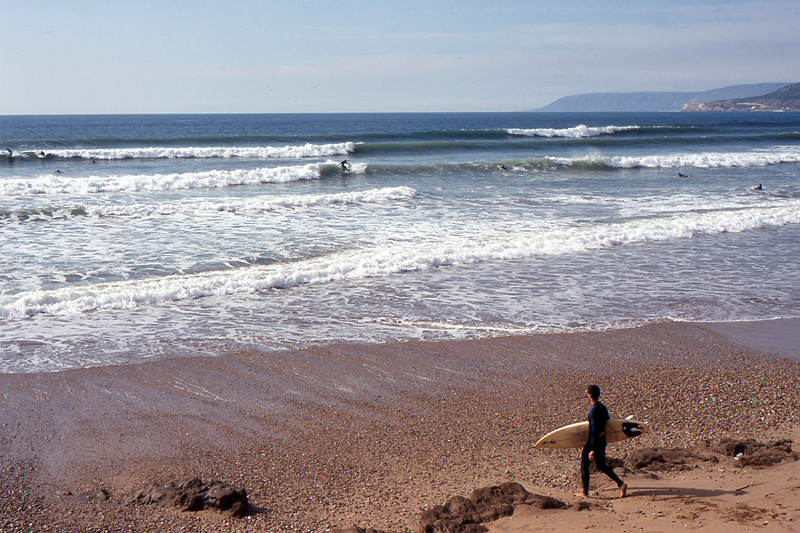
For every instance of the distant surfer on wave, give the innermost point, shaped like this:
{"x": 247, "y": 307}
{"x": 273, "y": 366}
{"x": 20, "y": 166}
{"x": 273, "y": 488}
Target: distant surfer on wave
{"x": 345, "y": 165}
{"x": 595, "y": 448}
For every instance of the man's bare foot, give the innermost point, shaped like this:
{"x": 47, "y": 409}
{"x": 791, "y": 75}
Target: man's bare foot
{"x": 623, "y": 490}
{"x": 581, "y": 495}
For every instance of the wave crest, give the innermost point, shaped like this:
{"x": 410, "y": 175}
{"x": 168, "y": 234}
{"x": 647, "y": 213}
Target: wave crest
{"x": 708, "y": 160}
{"x": 577, "y": 132}
{"x": 59, "y": 184}
{"x": 250, "y": 152}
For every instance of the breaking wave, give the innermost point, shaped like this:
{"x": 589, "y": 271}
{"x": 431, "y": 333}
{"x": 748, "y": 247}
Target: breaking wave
{"x": 243, "y": 206}
{"x": 699, "y": 160}
{"x": 393, "y": 259}
{"x": 251, "y": 152}
{"x": 577, "y": 132}
{"x": 59, "y": 184}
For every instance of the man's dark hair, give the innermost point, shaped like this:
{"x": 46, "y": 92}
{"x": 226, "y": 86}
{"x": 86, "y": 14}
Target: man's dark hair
{"x": 594, "y": 391}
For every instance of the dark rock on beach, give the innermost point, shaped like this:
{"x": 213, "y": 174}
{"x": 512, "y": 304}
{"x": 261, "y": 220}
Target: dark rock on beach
{"x": 747, "y": 452}
{"x": 750, "y": 452}
{"x": 194, "y": 495}
{"x": 465, "y": 515}
{"x": 499, "y": 501}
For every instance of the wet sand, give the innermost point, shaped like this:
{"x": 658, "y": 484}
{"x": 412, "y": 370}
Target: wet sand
{"x": 370, "y": 435}
{"x": 777, "y": 337}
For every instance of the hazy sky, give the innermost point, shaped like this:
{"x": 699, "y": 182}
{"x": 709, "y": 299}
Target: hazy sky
{"x": 175, "y": 56}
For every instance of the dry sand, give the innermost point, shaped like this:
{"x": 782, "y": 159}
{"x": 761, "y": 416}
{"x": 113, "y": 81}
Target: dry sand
{"x": 707, "y": 497}
{"x": 369, "y": 435}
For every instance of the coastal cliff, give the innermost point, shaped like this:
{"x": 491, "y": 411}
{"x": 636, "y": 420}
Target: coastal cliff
{"x": 654, "y": 101}
{"x": 784, "y": 99}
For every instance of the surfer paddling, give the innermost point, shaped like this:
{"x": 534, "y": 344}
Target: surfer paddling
{"x": 595, "y": 448}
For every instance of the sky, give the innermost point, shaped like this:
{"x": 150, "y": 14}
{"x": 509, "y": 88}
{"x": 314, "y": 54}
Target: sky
{"x": 295, "y": 56}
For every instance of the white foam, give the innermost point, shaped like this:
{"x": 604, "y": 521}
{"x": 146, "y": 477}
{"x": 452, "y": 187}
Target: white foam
{"x": 394, "y": 258}
{"x": 255, "y": 205}
{"x": 59, "y": 184}
{"x": 577, "y": 132}
{"x": 227, "y": 152}
{"x": 698, "y": 160}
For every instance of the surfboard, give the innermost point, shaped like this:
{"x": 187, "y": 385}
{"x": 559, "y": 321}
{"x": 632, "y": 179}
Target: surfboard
{"x": 576, "y": 435}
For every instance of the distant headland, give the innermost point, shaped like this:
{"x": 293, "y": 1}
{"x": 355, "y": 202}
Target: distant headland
{"x": 784, "y": 99}
{"x": 665, "y": 101}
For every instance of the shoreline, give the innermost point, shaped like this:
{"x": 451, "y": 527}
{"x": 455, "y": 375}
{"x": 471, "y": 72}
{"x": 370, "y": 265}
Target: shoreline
{"x": 338, "y": 435}
{"x": 780, "y": 336}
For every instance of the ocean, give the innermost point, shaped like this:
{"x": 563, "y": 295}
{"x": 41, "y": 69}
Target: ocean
{"x": 132, "y": 238}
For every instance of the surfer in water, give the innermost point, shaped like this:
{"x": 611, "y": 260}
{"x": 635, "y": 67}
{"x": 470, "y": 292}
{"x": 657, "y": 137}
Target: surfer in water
{"x": 345, "y": 166}
{"x": 595, "y": 448}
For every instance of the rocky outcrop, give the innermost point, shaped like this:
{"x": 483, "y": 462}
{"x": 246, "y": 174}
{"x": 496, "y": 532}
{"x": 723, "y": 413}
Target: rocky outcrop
{"x": 750, "y": 452}
{"x": 747, "y": 452}
{"x": 194, "y": 495}
{"x": 466, "y": 515}
{"x": 784, "y": 99}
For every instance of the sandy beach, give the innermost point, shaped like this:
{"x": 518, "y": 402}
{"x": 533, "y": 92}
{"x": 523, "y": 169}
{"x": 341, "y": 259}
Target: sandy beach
{"x": 369, "y": 436}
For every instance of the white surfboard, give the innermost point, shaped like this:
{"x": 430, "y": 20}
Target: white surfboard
{"x": 576, "y": 435}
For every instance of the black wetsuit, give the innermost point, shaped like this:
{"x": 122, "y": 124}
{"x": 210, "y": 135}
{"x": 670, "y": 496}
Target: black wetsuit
{"x": 598, "y": 417}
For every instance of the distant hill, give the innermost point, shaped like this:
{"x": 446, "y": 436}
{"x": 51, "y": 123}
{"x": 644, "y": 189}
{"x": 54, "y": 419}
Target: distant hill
{"x": 655, "y": 101}
{"x": 784, "y": 99}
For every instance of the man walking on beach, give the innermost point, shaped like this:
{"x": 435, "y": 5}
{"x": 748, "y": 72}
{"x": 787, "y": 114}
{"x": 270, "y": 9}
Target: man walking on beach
{"x": 595, "y": 449}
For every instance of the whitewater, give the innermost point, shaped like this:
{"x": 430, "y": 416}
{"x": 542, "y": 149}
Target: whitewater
{"x": 154, "y": 242}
